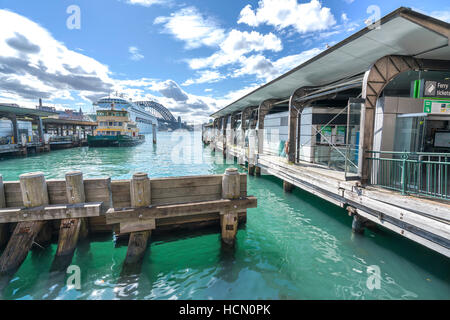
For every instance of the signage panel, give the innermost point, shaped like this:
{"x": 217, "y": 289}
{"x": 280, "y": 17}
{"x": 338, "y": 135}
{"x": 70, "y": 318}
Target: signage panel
{"x": 436, "y": 107}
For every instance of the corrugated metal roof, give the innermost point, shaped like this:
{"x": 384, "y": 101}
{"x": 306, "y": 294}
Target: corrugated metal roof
{"x": 398, "y": 34}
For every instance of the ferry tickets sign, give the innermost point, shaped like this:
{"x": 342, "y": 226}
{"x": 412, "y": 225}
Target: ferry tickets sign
{"x": 436, "y": 107}
{"x": 436, "y": 89}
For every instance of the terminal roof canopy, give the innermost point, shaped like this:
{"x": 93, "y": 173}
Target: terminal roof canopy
{"x": 24, "y": 112}
{"x": 402, "y": 32}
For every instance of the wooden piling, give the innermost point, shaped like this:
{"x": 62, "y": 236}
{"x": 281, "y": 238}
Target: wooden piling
{"x": 140, "y": 192}
{"x": 154, "y": 133}
{"x": 358, "y": 224}
{"x": 287, "y": 186}
{"x": 231, "y": 189}
{"x": 251, "y": 169}
{"x": 3, "y": 226}
{"x": 70, "y": 229}
{"x": 34, "y": 193}
{"x": 257, "y": 171}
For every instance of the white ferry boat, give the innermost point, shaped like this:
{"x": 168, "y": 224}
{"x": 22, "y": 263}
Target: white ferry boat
{"x": 137, "y": 113}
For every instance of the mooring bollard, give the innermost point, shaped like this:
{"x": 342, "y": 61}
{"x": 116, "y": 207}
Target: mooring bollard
{"x": 231, "y": 189}
{"x": 3, "y": 226}
{"x": 34, "y": 194}
{"x": 140, "y": 190}
{"x": 71, "y": 230}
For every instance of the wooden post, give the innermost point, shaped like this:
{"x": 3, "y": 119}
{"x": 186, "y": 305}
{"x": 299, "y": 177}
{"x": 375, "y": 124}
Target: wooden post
{"x": 70, "y": 229}
{"x": 154, "y": 133}
{"x": 3, "y": 226}
{"x": 140, "y": 190}
{"x": 251, "y": 169}
{"x": 34, "y": 194}
{"x": 287, "y": 186}
{"x": 257, "y": 171}
{"x": 231, "y": 189}
{"x": 358, "y": 223}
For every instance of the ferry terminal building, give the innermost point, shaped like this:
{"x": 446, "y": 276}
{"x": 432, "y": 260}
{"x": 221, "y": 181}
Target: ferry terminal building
{"x": 365, "y": 125}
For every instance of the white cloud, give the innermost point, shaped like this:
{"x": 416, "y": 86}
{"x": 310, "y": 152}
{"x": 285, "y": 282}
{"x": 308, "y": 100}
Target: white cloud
{"x": 237, "y": 44}
{"x": 441, "y": 15}
{"x": 34, "y": 65}
{"x": 206, "y": 76}
{"x": 146, "y": 3}
{"x": 304, "y": 17}
{"x": 268, "y": 70}
{"x": 190, "y": 26}
{"x": 135, "y": 55}
{"x": 344, "y": 17}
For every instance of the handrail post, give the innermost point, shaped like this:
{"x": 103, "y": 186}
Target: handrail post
{"x": 403, "y": 182}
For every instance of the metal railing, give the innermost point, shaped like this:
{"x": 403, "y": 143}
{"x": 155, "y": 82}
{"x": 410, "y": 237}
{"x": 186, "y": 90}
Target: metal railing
{"x": 420, "y": 173}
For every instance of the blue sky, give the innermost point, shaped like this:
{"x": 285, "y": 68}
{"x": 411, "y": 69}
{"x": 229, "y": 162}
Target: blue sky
{"x": 192, "y": 56}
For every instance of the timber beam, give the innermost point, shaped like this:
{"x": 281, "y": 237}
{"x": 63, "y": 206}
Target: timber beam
{"x": 50, "y": 212}
{"x": 127, "y": 215}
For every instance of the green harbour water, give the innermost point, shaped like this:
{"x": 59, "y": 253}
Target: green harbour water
{"x": 294, "y": 246}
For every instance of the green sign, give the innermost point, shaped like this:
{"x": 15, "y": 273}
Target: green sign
{"x": 436, "y": 106}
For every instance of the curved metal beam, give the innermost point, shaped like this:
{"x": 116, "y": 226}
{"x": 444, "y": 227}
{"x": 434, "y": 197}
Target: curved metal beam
{"x": 375, "y": 80}
{"x": 263, "y": 109}
{"x": 295, "y": 111}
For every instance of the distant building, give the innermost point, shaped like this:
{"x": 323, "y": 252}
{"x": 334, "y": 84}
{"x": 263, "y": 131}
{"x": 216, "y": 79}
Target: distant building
{"x": 66, "y": 114}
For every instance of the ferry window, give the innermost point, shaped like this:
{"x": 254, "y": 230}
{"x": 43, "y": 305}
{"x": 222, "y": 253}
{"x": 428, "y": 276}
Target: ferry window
{"x": 120, "y": 124}
{"x": 110, "y": 124}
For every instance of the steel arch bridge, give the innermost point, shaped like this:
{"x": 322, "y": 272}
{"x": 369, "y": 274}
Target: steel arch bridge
{"x": 158, "y": 110}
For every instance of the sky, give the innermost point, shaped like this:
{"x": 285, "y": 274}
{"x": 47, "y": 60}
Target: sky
{"x": 193, "y": 56}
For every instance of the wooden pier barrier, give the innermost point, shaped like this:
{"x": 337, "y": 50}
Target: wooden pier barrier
{"x": 34, "y": 194}
{"x": 72, "y": 229}
{"x": 140, "y": 191}
{"x": 136, "y": 207}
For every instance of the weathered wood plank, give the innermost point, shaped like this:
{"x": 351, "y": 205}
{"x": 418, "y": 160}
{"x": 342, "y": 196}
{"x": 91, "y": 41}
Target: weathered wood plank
{"x": 50, "y": 212}
{"x": 70, "y": 229}
{"x": 140, "y": 194}
{"x": 120, "y": 190}
{"x": 13, "y": 194}
{"x": 98, "y": 225}
{"x": 99, "y": 190}
{"x": 34, "y": 193}
{"x": 136, "y": 226}
{"x": 118, "y": 216}
{"x": 56, "y": 191}
{"x": 188, "y": 181}
{"x": 197, "y": 218}
{"x": 183, "y": 192}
